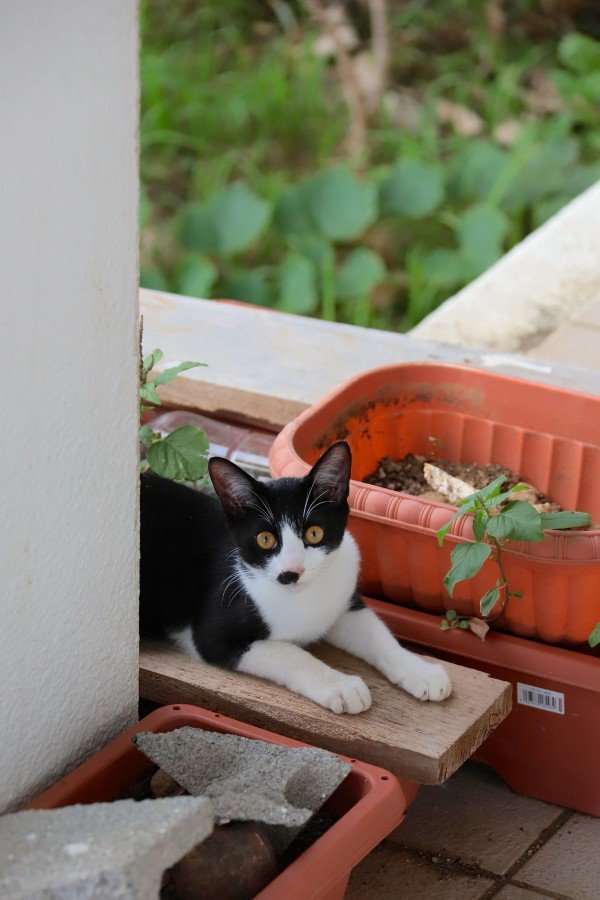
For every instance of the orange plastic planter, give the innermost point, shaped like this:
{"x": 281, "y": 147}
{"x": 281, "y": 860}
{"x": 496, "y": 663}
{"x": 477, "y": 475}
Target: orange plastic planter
{"x": 549, "y": 435}
{"x": 549, "y": 753}
{"x": 370, "y": 802}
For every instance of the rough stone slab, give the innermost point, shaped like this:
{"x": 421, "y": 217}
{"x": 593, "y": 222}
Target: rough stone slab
{"x": 390, "y": 873}
{"x": 540, "y": 284}
{"x": 572, "y": 344}
{"x": 569, "y": 863}
{"x": 99, "y": 851}
{"x": 247, "y": 780}
{"x": 476, "y": 818}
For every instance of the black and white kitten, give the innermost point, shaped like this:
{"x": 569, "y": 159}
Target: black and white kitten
{"x": 244, "y": 584}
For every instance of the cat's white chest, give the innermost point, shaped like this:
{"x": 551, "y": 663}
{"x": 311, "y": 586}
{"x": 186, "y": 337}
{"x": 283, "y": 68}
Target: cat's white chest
{"x": 306, "y": 614}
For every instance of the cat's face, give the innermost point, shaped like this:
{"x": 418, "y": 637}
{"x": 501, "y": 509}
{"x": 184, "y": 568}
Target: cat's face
{"x": 287, "y": 528}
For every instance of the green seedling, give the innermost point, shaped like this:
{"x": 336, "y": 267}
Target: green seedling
{"x": 497, "y": 519}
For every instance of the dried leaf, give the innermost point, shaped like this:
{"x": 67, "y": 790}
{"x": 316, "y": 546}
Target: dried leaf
{"x": 463, "y": 120}
{"x": 479, "y": 627}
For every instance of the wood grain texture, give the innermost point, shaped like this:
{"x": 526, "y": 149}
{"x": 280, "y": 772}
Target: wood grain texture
{"x": 426, "y": 742}
{"x": 266, "y": 367}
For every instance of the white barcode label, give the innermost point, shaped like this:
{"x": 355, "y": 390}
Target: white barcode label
{"x": 540, "y": 698}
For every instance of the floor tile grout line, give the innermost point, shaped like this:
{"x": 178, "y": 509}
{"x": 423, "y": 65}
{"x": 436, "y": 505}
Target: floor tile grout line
{"x": 540, "y": 841}
{"x": 500, "y": 881}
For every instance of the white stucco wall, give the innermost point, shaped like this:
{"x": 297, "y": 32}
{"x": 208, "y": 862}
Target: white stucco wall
{"x": 68, "y": 363}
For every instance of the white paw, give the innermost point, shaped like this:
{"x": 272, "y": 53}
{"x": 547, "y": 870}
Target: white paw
{"x": 347, "y": 693}
{"x": 429, "y": 682}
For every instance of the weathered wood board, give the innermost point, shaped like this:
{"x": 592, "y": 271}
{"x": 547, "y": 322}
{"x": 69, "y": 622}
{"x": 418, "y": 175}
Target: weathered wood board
{"x": 425, "y": 742}
{"x": 266, "y": 367}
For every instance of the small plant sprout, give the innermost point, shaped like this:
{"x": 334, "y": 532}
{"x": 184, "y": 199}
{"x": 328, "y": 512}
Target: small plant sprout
{"x": 497, "y": 518}
{"x": 181, "y": 455}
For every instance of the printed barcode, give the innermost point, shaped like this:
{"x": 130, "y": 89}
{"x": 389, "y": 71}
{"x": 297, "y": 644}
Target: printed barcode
{"x": 540, "y": 698}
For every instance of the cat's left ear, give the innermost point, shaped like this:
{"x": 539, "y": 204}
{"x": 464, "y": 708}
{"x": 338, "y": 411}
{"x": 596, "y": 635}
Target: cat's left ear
{"x": 234, "y": 487}
{"x": 330, "y": 475}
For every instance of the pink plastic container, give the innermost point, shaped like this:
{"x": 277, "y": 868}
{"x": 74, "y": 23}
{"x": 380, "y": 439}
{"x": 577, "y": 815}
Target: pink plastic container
{"x": 549, "y": 435}
{"x": 370, "y": 802}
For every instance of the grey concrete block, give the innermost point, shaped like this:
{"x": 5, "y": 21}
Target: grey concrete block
{"x": 100, "y": 851}
{"x": 247, "y": 780}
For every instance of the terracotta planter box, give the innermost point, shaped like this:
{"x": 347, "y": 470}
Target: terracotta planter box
{"x": 548, "y": 746}
{"x": 550, "y": 436}
{"x": 368, "y": 805}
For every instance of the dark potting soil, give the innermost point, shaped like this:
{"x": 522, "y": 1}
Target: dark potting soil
{"x": 406, "y": 475}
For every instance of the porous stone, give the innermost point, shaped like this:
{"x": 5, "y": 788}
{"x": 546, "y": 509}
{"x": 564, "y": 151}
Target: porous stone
{"x": 104, "y": 851}
{"x": 248, "y": 780}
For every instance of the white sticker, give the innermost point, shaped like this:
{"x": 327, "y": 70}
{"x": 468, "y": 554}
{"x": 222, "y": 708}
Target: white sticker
{"x": 540, "y": 698}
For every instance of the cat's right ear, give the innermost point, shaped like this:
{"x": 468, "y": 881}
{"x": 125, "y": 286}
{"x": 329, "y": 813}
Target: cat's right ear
{"x": 234, "y": 487}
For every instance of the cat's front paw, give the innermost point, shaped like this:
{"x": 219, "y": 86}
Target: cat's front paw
{"x": 425, "y": 681}
{"x": 430, "y": 682}
{"x": 346, "y": 694}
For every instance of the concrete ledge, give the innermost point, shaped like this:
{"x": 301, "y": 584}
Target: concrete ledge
{"x": 544, "y": 281}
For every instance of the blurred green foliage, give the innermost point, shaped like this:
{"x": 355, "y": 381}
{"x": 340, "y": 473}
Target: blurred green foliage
{"x": 247, "y": 193}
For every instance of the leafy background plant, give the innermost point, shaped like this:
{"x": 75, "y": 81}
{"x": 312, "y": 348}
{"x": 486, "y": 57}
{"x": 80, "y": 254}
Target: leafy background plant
{"x": 488, "y": 123}
{"x": 498, "y": 518}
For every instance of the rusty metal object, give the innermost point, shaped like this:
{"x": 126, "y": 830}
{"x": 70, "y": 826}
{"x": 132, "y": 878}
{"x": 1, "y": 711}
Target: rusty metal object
{"x": 234, "y": 863}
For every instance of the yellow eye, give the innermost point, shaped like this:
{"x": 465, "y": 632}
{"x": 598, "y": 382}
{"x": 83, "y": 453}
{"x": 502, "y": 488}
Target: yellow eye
{"x": 314, "y": 534}
{"x": 266, "y": 540}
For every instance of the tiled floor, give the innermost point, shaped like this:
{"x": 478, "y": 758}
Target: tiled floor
{"x": 473, "y": 837}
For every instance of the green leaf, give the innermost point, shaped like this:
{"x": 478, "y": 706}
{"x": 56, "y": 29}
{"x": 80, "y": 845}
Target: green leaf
{"x": 476, "y": 169}
{"x": 516, "y": 594}
{"x": 443, "y": 531}
{"x": 340, "y": 205}
{"x": 144, "y": 465}
{"x": 480, "y": 520}
{"x": 488, "y": 601}
{"x": 195, "y": 276}
{"x": 359, "y": 273}
{"x": 492, "y": 490}
{"x": 444, "y": 268}
{"x": 594, "y": 638}
{"x": 181, "y": 455}
{"x": 481, "y": 231}
{"x": 145, "y": 434}
{"x": 467, "y": 560}
{"x": 297, "y": 285}
{"x": 171, "y": 373}
{"x": 148, "y": 393}
{"x": 292, "y": 215}
{"x": 153, "y": 279}
{"x": 579, "y": 53}
{"x": 152, "y": 359}
{"x": 517, "y": 521}
{"x": 565, "y": 520}
{"x": 444, "y": 624}
{"x": 250, "y": 285}
{"x": 451, "y": 615}
{"x": 229, "y": 223}
{"x": 542, "y": 173}
{"x": 198, "y": 229}
{"x": 315, "y": 248}
{"x": 411, "y": 189}
{"x": 463, "y": 624}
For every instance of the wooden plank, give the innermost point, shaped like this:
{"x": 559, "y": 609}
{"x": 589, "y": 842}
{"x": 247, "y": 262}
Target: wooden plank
{"x": 425, "y": 742}
{"x": 266, "y": 367}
